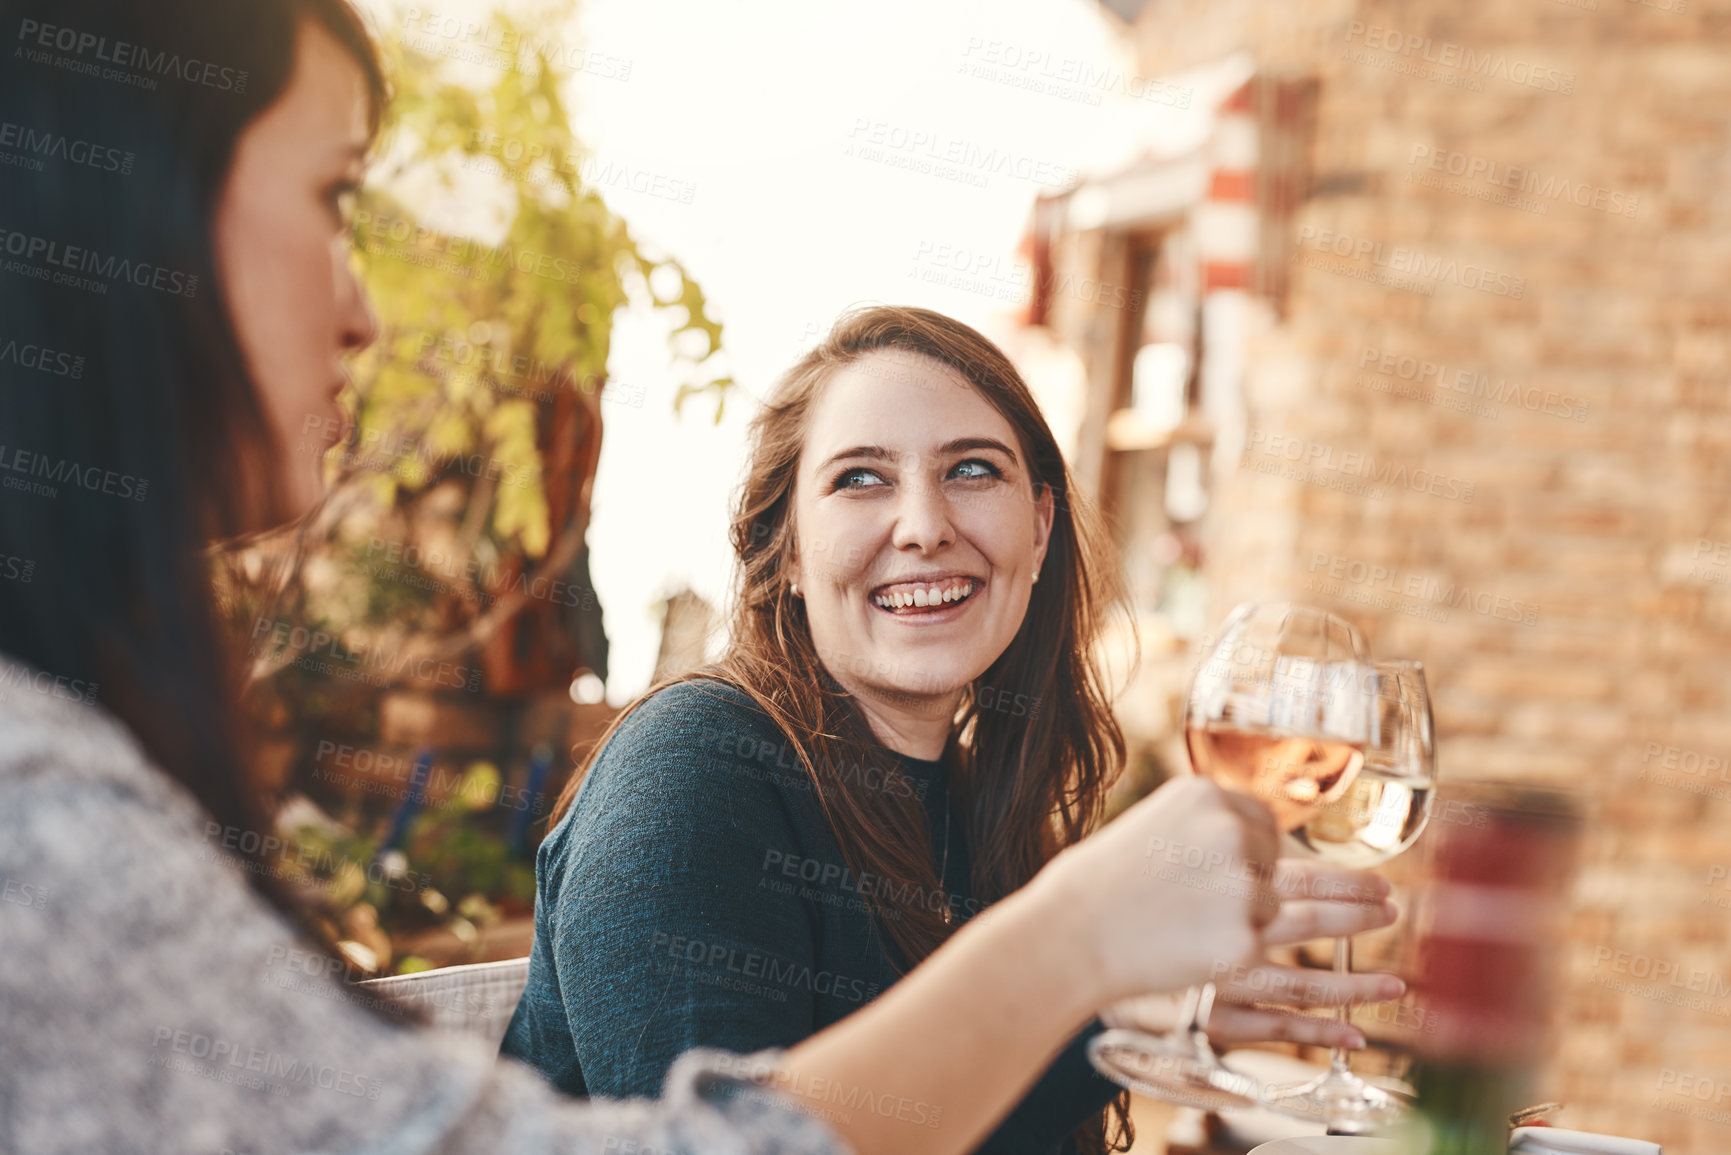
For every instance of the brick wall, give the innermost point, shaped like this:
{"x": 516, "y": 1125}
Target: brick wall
{"x": 1548, "y": 431}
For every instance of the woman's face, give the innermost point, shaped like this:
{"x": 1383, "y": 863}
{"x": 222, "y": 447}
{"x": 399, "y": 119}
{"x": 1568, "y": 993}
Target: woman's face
{"x": 282, "y": 248}
{"x": 918, "y": 529}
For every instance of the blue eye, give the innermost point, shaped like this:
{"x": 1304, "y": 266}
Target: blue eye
{"x": 866, "y": 478}
{"x": 977, "y": 469}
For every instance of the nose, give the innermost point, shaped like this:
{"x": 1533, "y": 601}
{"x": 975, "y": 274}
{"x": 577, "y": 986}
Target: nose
{"x": 358, "y": 324}
{"x": 923, "y": 515}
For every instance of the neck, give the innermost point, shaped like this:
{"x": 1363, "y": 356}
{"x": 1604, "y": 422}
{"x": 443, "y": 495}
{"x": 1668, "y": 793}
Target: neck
{"x": 916, "y": 725}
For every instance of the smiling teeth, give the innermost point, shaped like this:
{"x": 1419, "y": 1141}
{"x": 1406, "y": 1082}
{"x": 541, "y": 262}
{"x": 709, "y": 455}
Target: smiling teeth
{"x": 926, "y": 596}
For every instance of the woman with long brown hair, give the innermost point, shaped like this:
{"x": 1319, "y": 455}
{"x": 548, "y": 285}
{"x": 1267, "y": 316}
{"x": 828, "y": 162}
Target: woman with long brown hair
{"x": 912, "y": 720}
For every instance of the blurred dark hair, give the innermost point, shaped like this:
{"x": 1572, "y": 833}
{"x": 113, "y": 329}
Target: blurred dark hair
{"x": 147, "y": 419}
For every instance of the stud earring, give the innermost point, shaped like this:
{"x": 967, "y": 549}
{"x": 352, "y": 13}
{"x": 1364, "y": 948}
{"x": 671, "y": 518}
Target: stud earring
{"x": 1036, "y": 575}
{"x": 794, "y": 588}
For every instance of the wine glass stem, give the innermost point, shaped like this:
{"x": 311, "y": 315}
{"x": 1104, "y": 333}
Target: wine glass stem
{"x": 1337, "y": 1058}
{"x": 1202, "y": 1009}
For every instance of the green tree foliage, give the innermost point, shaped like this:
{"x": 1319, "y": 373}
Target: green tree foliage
{"x": 483, "y": 317}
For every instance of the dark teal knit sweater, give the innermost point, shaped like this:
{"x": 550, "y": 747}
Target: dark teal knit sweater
{"x": 695, "y": 895}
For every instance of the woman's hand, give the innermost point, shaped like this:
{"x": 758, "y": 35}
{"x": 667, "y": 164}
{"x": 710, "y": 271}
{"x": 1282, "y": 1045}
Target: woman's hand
{"x": 1170, "y": 894}
{"x": 1177, "y": 891}
{"x": 1252, "y": 1002}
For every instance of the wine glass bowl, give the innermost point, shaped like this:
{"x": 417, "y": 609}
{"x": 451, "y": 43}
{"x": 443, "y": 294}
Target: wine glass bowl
{"x": 1280, "y": 709}
{"x": 1387, "y": 805}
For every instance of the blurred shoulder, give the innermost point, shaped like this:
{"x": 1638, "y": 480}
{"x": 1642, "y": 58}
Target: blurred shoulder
{"x": 53, "y": 733}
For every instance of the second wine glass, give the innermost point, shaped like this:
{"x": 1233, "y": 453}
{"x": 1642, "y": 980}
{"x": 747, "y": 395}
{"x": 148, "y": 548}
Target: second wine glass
{"x": 1378, "y": 817}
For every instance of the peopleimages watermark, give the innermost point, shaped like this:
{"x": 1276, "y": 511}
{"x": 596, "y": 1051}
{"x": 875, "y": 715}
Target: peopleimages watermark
{"x": 1470, "y": 66}
{"x": 748, "y": 971}
{"x": 1378, "y": 586}
{"x": 1215, "y": 869}
{"x": 520, "y": 376}
{"x": 414, "y": 243}
{"x": 16, "y": 569}
{"x": 1708, "y": 775}
{"x": 472, "y": 580}
{"x": 804, "y": 1091}
{"x": 1659, "y": 980}
{"x": 21, "y": 893}
{"x": 273, "y": 855}
{"x": 375, "y": 772}
{"x": 1690, "y": 1094}
{"x": 377, "y": 666}
{"x": 1271, "y": 985}
{"x": 226, "y": 1061}
{"x": 1716, "y": 570}
{"x": 139, "y": 65}
{"x": 933, "y": 153}
{"x": 1717, "y": 892}
{"x": 534, "y": 163}
{"x": 759, "y": 757}
{"x": 324, "y": 976}
{"x": 1351, "y": 471}
{"x": 38, "y": 474}
{"x": 454, "y": 36}
{"x": 1064, "y": 77}
{"x": 76, "y": 267}
{"x": 1402, "y": 267}
{"x": 16, "y": 676}
{"x": 29, "y": 148}
{"x": 1495, "y": 178}
{"x": 380, "y": 451}
{"x": 894, "y": 895}
{"x": 1405, "y": 375}
{"x": 41, "y": 359}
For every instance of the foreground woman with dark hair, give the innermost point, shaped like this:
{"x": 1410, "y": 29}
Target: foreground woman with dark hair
{"x": 168, "y": 325}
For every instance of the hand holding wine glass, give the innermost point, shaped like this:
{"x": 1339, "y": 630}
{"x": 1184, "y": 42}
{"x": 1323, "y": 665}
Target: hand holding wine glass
{"x": 1119, "y": 881}
{"x": 1277, "y": 712}
{"x": 1267, "y": 1002}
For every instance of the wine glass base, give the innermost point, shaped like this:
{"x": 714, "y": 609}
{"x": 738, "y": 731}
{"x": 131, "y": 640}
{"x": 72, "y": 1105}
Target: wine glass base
{"x": 1344, "y": 1102}
{"x": 1179, "y": 1068}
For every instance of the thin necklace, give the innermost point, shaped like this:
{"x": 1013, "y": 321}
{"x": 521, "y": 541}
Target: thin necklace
{"x": 943, "y": 870}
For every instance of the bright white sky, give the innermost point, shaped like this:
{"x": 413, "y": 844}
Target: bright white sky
{"x": 756, "y": 104}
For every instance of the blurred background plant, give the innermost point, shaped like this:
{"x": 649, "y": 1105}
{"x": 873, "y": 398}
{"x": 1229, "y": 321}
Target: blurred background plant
{"x": 440, "y": 600}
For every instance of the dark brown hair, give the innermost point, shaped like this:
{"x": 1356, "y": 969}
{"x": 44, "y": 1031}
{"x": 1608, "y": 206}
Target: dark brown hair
{"x": 121, "y": 598}
{"x": 1026, "y": 785}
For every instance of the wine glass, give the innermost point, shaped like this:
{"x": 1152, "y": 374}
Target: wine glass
{"x": 1380, "y": 814}
{"x": 1280, "y": 709}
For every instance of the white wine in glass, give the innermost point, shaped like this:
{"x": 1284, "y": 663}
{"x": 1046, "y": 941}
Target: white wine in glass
{"x": 1377, "y": 816}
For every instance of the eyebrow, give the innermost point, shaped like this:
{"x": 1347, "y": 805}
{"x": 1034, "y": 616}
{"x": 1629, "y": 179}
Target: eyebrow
{"x": 959, "y": 445}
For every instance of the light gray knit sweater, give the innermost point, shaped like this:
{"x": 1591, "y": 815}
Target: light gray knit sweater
{"x": 143, "y": 1007}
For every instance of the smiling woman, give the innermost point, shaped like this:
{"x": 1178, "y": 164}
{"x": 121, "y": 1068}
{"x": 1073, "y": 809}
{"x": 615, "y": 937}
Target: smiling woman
{"x": 912, "y": 558}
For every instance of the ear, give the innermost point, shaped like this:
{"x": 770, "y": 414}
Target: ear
{"x": 1045, "y": 509}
